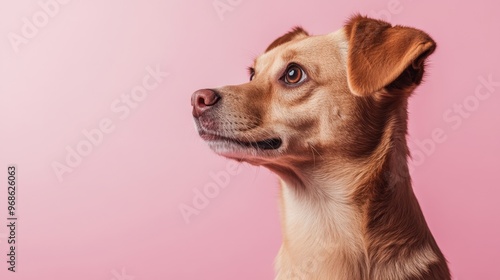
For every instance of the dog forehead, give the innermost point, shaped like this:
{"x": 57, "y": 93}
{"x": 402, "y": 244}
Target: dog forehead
{"x": 312, "y": 48}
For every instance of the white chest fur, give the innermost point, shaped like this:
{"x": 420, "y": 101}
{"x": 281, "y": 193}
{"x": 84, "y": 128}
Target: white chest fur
{"x": 321, "y": 236}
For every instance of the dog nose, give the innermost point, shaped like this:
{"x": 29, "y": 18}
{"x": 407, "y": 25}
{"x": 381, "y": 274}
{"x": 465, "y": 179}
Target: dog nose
{"x": 202, "y": 100}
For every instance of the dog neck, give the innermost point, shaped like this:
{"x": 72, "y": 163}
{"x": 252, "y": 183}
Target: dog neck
{"x": 357, "y": 219}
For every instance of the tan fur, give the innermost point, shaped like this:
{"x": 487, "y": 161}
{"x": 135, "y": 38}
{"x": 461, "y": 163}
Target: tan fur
{"x": 347, "y": 205}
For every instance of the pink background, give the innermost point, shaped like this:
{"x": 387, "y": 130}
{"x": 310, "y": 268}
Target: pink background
{"x": 117, "y": 213}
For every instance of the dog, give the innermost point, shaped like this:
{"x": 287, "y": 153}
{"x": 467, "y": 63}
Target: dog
{"x": 328, "y": 115}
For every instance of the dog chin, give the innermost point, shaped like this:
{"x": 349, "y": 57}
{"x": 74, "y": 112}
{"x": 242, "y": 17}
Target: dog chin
{"x": 231, "y": 150}
{"x": 245, "y": 151}
{"x": 237, "y": 152}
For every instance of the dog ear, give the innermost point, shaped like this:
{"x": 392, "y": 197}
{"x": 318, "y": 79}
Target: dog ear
{"x": 382, "y": 56}
{"x": 296, "y": 33}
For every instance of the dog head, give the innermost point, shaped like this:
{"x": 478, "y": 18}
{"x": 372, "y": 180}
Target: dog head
{"x": 315, "y": 97}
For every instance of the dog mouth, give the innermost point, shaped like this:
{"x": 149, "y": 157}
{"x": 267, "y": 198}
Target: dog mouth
{"x": 265, "y": 144}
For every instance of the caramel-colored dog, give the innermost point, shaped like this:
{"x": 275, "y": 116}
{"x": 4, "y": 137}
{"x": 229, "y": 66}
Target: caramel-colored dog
{"x": 328, "y": 114}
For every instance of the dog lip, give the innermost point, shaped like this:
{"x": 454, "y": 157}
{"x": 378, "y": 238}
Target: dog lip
{"x": 267, "y": 144}
{"x": 208, "y": 136}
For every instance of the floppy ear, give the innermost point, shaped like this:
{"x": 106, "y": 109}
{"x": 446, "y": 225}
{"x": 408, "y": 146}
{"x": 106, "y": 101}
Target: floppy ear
{"x": 381, "y": 56}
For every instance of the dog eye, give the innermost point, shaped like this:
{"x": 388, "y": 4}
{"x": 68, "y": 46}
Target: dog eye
{"x": 294, "y": 75}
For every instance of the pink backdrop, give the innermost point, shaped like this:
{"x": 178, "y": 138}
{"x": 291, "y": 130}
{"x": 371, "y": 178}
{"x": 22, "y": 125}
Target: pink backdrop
{"x": 111, "y": 81}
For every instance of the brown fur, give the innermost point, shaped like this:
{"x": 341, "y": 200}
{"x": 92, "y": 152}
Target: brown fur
{"x": 296, "y": 33}
{"x": 378, "y": 43}
{"x": 348, "y": 209}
